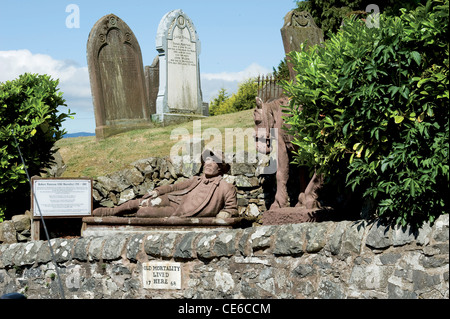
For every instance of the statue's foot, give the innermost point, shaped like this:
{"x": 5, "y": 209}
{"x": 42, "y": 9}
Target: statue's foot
{"x": 103, "y": 212}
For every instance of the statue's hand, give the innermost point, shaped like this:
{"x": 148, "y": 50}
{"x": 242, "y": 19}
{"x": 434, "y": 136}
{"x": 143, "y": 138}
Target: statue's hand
{"x": 223, "y": 214}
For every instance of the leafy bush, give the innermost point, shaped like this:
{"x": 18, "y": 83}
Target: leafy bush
{"x": 28, "y": 111}
{"x": 375, "y": 111}
{"x": 244, "y": 99}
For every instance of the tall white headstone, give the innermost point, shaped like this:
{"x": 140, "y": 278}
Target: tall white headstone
{"x": 179, "y": 95}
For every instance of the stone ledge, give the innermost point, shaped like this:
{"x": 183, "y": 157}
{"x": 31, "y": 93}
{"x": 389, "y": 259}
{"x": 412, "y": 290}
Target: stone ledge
{"x": 101, "y": 226}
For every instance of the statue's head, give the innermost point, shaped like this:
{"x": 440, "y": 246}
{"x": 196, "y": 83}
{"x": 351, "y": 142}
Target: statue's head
{"x": 264, "y": 121}
{"x": 217, "y": 157}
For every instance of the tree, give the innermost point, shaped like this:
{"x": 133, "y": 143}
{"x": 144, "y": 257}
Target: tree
{"x": 374, "y": 111}
{"x": 28, "y": 114}
{"x": 218, "y": 101}
{"x": 244, "y": 99}
{"x": 328, "y": 15}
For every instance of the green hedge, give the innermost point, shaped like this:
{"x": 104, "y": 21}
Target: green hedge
{"x": 375, "y": 111}
{"x": 28, "y": 111}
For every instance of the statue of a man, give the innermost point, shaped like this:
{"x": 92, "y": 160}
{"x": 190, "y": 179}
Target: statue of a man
{"x": 200, "y": 196}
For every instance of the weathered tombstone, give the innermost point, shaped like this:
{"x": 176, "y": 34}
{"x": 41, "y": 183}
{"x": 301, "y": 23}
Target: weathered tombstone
{"x": 152, "y": 83}
{"x": 117, "y": 80}
{"x": 179, "y": 96}
{"x": 299, "y": 27}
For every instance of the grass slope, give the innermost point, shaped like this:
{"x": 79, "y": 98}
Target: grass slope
{"x": 87, "y": 157}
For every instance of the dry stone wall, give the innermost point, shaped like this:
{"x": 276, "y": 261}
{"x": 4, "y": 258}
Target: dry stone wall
{"x": 348, "y": 259}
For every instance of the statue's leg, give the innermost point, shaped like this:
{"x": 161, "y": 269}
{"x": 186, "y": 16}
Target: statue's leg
{"x": 157, "y": 207}
{"x": 282, "y": 175}
{"x": 155, "y": 211}
{"x": 309, "y": 198}
{"x": 126, "y": 208}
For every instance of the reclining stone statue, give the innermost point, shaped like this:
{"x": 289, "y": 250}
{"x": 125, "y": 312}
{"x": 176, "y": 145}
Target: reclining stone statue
{"x": 208, "y": 195}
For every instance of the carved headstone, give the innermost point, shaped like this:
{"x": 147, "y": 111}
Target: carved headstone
{"x": 299, "y": 27}
{"x": 179, "y": 96}
{"x": 117, "y": 78}
{"x": 152, "y": 83}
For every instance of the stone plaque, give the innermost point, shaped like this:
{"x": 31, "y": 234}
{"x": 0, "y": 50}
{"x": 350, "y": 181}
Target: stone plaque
{"x": 61, "y": 197}
{"x": 161, "y": 275}
{"x": 117, "y": 78}
{"x": 179, "y": 96}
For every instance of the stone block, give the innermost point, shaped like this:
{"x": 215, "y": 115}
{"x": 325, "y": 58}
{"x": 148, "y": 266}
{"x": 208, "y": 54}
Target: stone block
{"x": 289, "y": 239}
{"x": 205, "y": 244}
{"x": 21, "y": 222}
{"x": 152, "y": 245}
{"x": 134, "y": 246}
{"x": 8, "y": 232}
{"x": 185, "y": 247}
{"x": 351, "y": 241}
{"x": 225, "y": 244}
{"x": 96, "y": 248}
{"x": 380, "y": 236}
{"x": 29, "y": 252}
{"x": 316, "y": 237}
{"x": 126, "y": 195}
{"x": 80, "y": 250}
{"x": 441, "y": 228}
{"x": 62, "y": 249}
{"x": 114, "y": 247}
{"x": 43, "y": 254}
{"x": 7, "y": 258}
{"x": 335, "y": 240}
{"x": 402, "y": 235}
{"x": 168, "y": 241}
{"x": 262, "y": 237}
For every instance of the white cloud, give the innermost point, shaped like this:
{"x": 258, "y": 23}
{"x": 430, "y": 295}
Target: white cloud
{"x": 73, "y": 80}
{"x": 251, "y": 71}
{"x": 213, "y": 82}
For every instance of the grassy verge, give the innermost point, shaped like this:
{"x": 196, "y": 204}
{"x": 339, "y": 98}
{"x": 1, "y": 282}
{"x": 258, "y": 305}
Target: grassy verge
{"x": 87, "y": 157}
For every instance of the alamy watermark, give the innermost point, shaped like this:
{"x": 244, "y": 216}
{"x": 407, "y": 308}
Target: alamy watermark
{"x": 373, "y": 19}
{"x": 73, "y": 19}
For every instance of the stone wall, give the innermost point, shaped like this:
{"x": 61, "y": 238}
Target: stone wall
{"x": 348, "y": 259}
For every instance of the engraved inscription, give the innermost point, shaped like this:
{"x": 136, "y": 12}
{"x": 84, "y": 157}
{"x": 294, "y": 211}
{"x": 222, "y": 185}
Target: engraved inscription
{"x": 161, "y": 275}
{"x": 182, "y": 53}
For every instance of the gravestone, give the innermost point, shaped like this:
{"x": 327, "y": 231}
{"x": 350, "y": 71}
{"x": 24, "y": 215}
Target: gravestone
{"x": 179, "y": 96}
{"x": 116, "y": 75}
{"x": 299, "y": 27}
{"x": 151, "y": 73}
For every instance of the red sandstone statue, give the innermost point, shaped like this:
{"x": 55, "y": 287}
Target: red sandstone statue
{"x": 207, "y": 195}
{"x": 267, "y": 116}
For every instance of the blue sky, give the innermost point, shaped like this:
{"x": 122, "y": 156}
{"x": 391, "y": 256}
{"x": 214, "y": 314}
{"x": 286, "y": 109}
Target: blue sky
{"x": 239, "y": 39}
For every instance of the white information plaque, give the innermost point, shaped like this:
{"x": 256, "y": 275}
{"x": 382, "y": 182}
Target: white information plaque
{"x": 161, "y": 275}
{"x": 62, "y": 197}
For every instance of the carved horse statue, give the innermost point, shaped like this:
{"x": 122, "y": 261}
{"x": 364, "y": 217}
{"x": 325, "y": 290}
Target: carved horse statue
{"x": 268, "y": 116}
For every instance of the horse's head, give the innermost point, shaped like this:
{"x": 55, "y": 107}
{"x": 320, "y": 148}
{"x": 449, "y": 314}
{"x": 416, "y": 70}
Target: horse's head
{"x": 264, "y": 121}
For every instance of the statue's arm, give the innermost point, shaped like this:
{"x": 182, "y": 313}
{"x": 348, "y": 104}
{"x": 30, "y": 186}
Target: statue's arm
{"x": 230, "y": 205}
{"x": 174, "y": 187}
